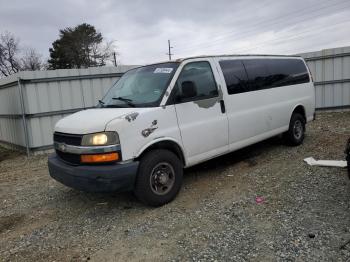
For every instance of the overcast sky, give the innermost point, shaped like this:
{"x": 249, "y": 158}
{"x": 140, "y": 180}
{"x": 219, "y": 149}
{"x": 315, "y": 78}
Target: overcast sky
{"x": 142, "y": 28}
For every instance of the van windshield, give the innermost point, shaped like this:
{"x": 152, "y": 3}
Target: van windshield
{"x": 140, "y": 87}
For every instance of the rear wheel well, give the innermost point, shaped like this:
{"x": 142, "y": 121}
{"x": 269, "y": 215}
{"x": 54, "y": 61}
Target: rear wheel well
{"x": 167, "y": 145}
{"x": 300, "y": 110}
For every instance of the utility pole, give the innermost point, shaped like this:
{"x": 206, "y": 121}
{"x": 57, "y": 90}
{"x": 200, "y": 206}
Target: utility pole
{"x": 115, "y": 59}
{"x": 169, "y": 50}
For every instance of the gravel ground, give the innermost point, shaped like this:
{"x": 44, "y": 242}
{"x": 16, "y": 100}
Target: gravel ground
{"x": 304, "y": 214}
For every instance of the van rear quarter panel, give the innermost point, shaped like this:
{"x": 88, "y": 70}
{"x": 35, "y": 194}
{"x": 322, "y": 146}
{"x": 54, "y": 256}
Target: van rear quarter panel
{"x": 280, "y": 103}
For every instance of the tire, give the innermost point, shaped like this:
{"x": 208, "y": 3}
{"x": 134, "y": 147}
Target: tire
{"x": 296, "y": 132}
{"x": 347, "y": 153}
{"x": 348, "y": 160}
{"x": 159, "y": 177}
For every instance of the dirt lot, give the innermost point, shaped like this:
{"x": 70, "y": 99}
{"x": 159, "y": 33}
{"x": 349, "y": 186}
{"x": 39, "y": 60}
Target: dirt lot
{"x": 305, "y": 215}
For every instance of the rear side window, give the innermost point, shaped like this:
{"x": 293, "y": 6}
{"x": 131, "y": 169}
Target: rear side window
{"x": 235, "y": 76}
{"x": 268, "y": 73}
{"x": 287, "y": 72}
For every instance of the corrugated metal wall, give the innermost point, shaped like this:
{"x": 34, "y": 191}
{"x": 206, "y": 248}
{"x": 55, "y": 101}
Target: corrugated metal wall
{"x": 331, "y": 72}
{"x": 50, "y": 95}
{"x": 47, "y": 97}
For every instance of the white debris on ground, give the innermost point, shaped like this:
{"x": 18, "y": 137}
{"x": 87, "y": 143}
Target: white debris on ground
{"x": 332, "y": 163}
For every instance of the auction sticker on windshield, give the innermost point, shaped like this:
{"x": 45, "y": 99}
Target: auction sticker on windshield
{"x": 164, "y": 70}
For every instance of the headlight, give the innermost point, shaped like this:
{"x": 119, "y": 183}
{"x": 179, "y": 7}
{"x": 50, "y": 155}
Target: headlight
{"x": 100, "y": 139}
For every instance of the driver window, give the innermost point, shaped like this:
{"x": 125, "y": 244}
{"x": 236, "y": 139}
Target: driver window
{"x": 198, "y": 76}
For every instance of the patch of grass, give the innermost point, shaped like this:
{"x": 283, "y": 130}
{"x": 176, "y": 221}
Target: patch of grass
{"x": 8, "y": 153}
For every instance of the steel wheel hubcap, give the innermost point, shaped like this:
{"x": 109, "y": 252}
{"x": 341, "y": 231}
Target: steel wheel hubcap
{"x": 298, "y": 129}
{"x": 162, "y": 178}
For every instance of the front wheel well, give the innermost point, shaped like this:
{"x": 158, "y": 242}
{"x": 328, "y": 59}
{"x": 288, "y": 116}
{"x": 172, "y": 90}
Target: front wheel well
{"x": 300, "y": 110}
{"x": 167, "y": 145}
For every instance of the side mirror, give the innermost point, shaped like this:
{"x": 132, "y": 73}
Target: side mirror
{"x": 188, "y": 89}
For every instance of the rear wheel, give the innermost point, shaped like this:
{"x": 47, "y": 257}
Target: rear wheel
{"x": 296, "y": 132}
{"x": 347, "y": 153}
{"x": 348, "y": 160}
{"x": 159, "y": 177}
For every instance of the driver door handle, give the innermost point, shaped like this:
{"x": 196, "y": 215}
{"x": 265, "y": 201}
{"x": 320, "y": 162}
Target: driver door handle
{"x": 222, "y": 105}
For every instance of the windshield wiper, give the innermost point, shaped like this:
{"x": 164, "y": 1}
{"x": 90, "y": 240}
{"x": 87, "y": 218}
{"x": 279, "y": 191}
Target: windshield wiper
{"x": 113, "y": 106}
{"x": 126, "y": 100}
{"x": 100, "y": 104}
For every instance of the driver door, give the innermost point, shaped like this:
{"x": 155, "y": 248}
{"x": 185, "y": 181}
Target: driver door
{"x": 200, "y": 112}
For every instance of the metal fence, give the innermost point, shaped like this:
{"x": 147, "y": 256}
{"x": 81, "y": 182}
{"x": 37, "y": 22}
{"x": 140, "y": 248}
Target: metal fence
{"x": 32, "y": 102}
{"x": 330, "y": 69}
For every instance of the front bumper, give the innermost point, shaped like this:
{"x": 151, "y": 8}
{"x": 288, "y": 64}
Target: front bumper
{"x": 98, "y": 178}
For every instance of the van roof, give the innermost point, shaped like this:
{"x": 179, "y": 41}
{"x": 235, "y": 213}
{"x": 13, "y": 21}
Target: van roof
{"x": 179, "y": 60}
{"x": 227, "y": 55}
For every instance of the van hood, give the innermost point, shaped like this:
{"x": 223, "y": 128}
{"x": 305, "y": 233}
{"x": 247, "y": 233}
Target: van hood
{"x": 94, "y": 120}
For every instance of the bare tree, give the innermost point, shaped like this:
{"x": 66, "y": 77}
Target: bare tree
{"x": 10, "y": 51}
{"x": 9, "y": 62}
{"x": 104, "y": 53}
{"x": 31, "y": 60}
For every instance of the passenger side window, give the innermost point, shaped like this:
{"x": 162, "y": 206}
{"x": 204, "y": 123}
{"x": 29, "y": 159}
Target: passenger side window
{"x": 258, "y": 75}
{"x": 196, "y": 81}
{"x": 235, "y": 76}
{"x": 269, "y": 73}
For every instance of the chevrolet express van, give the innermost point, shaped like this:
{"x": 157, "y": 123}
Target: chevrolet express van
{"x": 158, "y": 119}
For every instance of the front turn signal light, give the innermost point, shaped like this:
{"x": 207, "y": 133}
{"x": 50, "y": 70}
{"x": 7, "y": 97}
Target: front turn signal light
{"x": 100, "y": 158}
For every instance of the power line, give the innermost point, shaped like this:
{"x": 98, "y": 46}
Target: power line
{"x": 295, "y": 36}
{"x": 249, "y": 32}
{"x": 260, "y": 23}
{"x": 228, "y": 21}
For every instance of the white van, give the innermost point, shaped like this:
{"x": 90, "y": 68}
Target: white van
{"x": 161, "y": 118}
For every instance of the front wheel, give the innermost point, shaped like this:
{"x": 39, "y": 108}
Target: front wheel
{"x": 296, "y": 132}
{"x": 159, "y": 177}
